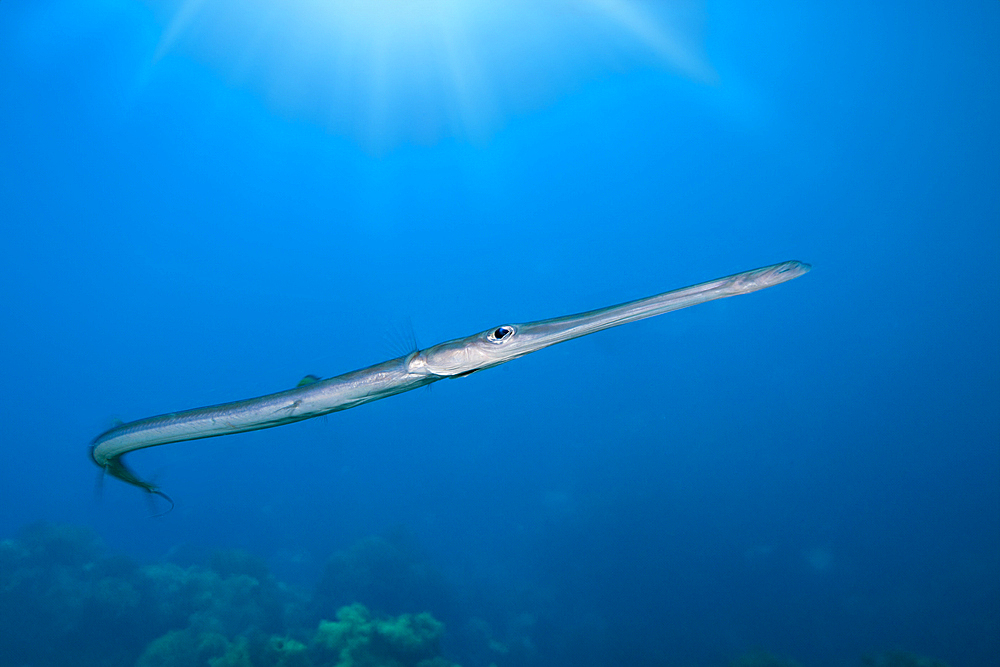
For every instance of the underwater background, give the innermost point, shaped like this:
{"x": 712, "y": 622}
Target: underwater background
{"x": 204, "y": 201}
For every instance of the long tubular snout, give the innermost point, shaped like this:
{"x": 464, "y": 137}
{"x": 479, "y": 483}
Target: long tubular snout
{"x": 573, "y": 326}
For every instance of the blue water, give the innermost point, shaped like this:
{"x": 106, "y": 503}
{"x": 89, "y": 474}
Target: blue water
{"x": 207, "y": 209}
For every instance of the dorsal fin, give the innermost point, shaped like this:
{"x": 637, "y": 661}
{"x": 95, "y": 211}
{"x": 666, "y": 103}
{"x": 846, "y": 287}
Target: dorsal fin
{"x": 308, "y": 380}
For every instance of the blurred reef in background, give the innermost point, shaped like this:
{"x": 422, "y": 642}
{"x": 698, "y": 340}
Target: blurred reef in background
{"x": 65, "y": 600}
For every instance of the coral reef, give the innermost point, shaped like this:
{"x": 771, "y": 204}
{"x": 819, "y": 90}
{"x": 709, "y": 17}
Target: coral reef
{"x": 390, "y": 574}
{"x": 178, "y": 648}
{"x": 59, "y": 589}
{"x": 64, "y": 600}
{"x": 356, "y": 639}
{"x": 56, "y": 590}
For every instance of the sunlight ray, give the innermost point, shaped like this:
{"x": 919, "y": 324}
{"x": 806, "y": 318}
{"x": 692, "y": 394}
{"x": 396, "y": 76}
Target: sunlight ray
{"x": 399, "y": 71}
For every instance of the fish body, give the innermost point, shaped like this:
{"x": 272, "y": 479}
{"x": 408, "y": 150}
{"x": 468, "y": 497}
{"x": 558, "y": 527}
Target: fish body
{"x": 452, "y": 359}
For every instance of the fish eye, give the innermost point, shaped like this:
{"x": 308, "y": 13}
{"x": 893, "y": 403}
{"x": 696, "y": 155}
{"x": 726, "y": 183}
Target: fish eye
{"x": 501, "y": 334}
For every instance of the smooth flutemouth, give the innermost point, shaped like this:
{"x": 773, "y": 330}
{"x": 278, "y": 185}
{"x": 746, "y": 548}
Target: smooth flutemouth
{"x": 454, "y": 358}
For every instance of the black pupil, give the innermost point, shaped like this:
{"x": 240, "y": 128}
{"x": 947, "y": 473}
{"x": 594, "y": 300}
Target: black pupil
{"x": 501, "y": 333}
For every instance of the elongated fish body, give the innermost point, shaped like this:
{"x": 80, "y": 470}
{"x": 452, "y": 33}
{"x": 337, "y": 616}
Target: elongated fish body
{"x": 451, "y": 359}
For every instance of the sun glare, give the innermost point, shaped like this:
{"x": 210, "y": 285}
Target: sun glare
{"x": 392, "y": 71}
